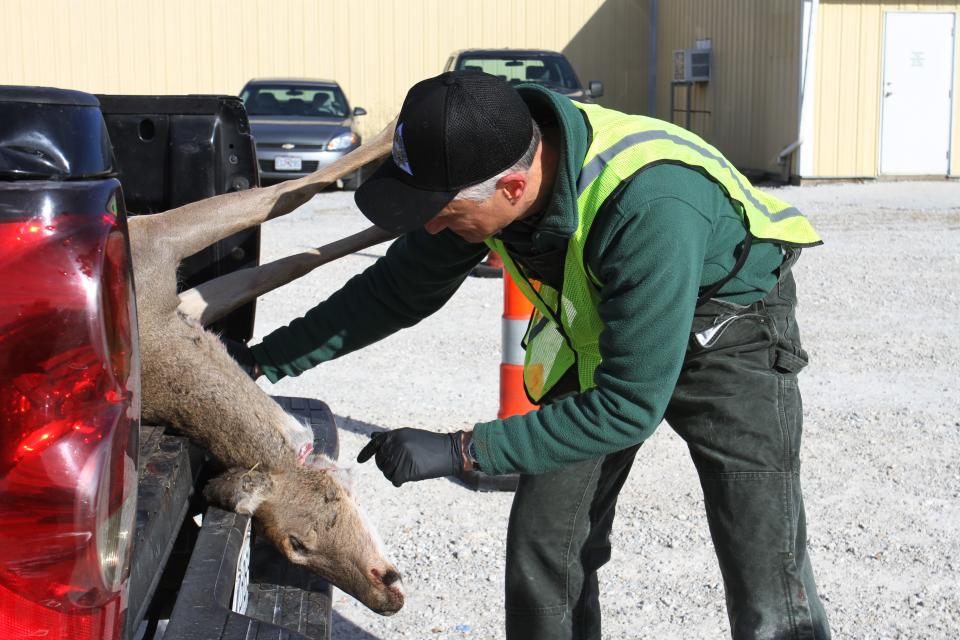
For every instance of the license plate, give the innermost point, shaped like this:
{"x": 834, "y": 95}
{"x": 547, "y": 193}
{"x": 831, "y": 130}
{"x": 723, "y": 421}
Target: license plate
{"x": 287, "y": 163}
{"x": 242, "y": 582}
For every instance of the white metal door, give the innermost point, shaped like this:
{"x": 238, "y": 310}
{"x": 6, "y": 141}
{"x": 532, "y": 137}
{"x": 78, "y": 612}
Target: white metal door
{"x": 917, "y": 79}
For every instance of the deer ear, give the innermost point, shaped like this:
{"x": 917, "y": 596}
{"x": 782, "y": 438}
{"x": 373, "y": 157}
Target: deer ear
{"x": 343, "y": 474}
{"x": 239, "y": 490}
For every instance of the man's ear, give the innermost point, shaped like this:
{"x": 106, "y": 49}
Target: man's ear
{"x": 512, "y": 186}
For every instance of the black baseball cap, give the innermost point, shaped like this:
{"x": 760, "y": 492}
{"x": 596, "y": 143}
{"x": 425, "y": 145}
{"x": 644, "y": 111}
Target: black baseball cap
{"x": 454, "y": 131}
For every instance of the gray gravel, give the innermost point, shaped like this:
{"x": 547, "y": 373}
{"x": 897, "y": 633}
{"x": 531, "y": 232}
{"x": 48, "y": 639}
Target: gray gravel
{"x": 881, "y": 453}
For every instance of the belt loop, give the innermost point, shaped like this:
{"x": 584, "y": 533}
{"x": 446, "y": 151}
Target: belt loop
{"x": 791, "y": 255}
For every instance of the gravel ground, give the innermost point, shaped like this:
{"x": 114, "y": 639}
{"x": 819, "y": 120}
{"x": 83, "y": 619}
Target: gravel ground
{"x": 881, "y": 452}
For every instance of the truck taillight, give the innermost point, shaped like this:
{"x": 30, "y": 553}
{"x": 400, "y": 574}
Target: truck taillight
{"x": 69, "y": 412}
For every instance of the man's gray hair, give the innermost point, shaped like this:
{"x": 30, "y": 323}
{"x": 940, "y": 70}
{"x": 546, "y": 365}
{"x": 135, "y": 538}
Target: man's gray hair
{"x": 485, "y": 190}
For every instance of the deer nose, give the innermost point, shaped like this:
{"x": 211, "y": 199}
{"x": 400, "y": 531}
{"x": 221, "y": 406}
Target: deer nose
{"x": 391, "y": 577}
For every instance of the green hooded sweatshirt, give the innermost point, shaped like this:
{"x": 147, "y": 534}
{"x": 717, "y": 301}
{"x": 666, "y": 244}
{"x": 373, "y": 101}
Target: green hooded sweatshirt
{"x": 670, "y": 232}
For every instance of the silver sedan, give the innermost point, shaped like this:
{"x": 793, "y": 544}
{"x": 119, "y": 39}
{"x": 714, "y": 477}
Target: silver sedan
{"x": 300, "y": 126}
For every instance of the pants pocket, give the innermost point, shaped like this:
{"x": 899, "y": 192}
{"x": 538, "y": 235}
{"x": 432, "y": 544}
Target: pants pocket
{"x": 790, "y": 361}
{"x": 731, "y": 334}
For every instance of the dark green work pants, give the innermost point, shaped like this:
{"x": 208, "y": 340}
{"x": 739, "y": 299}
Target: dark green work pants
{"x": 737, "y": 406}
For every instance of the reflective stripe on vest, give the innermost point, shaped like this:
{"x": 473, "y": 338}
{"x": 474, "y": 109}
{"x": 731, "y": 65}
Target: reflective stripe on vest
{"x": 565, "y": 327}
{"x": 623, "y": 145}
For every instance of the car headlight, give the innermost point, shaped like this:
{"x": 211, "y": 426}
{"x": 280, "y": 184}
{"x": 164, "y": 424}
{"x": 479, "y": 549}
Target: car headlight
{"x": 342, "y": 141}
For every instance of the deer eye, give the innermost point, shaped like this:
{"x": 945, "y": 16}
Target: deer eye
{"x": 296, "y": 545}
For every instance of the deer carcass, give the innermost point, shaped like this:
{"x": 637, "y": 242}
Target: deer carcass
{"x": 189, "y": 381}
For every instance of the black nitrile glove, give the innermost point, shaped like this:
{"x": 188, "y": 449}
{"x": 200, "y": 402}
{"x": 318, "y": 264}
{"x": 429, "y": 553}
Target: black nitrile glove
{"x": 406, "y": 454}
{"x": 243, "y": 355}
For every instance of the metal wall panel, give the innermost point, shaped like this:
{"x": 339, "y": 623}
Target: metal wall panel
{"x": 749, "y": 108}
{"x": 848, "y": 86}
{"x": 376, "y": 49}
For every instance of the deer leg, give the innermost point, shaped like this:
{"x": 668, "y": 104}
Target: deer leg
{"x": 211, "y": 300}
{"x": 188, "y": 229}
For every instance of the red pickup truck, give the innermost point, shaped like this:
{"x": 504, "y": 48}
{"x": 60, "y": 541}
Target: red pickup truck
{"x": 103, "y": 533}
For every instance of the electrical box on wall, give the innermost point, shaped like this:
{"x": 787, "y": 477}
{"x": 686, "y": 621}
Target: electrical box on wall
{"x": 691, "y": 65}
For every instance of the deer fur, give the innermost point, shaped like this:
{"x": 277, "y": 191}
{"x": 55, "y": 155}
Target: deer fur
{"x": 311, "y": 517}
{"x": 189, "y": 381}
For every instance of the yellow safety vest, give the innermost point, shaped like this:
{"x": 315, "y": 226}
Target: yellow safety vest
{"x": 565, "y": 327}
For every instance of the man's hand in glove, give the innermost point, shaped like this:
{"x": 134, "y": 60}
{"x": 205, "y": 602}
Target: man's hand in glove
{"x": 404, "y": 455}
{"x": 243, "y": 355}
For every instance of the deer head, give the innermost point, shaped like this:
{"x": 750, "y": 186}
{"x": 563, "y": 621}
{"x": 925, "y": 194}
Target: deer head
{"x": 309, "y": 514}
{"x": 189, "y": 381}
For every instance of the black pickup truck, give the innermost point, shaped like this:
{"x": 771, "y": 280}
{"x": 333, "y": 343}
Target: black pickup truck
{"x": 104, "y": 533}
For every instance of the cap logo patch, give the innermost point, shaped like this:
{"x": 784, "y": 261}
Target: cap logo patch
{"x": 400, "y": 151}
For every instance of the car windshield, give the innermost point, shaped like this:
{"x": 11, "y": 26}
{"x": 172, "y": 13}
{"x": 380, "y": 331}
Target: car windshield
{"x": 312, "y": 101}
{"x": 552, "y": 71}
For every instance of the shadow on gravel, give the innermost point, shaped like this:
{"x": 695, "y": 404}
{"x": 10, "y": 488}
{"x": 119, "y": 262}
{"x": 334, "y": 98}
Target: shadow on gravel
{"x": 357, "y": 426}
{"x": 343, "y": 629}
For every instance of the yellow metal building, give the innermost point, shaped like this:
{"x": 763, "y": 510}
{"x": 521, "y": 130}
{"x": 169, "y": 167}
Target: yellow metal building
{"x": 376, "y": 49}
{"x": 859, "y": 119}
{"x": 818, "y": 88}
{"x": 809, "y": 89}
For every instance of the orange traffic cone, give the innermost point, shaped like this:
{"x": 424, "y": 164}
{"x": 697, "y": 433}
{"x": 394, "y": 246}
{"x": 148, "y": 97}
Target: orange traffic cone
{"x": 516, "y": 315}
{"x": 513, "y": 398}
{"x": 494, "y": 260}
